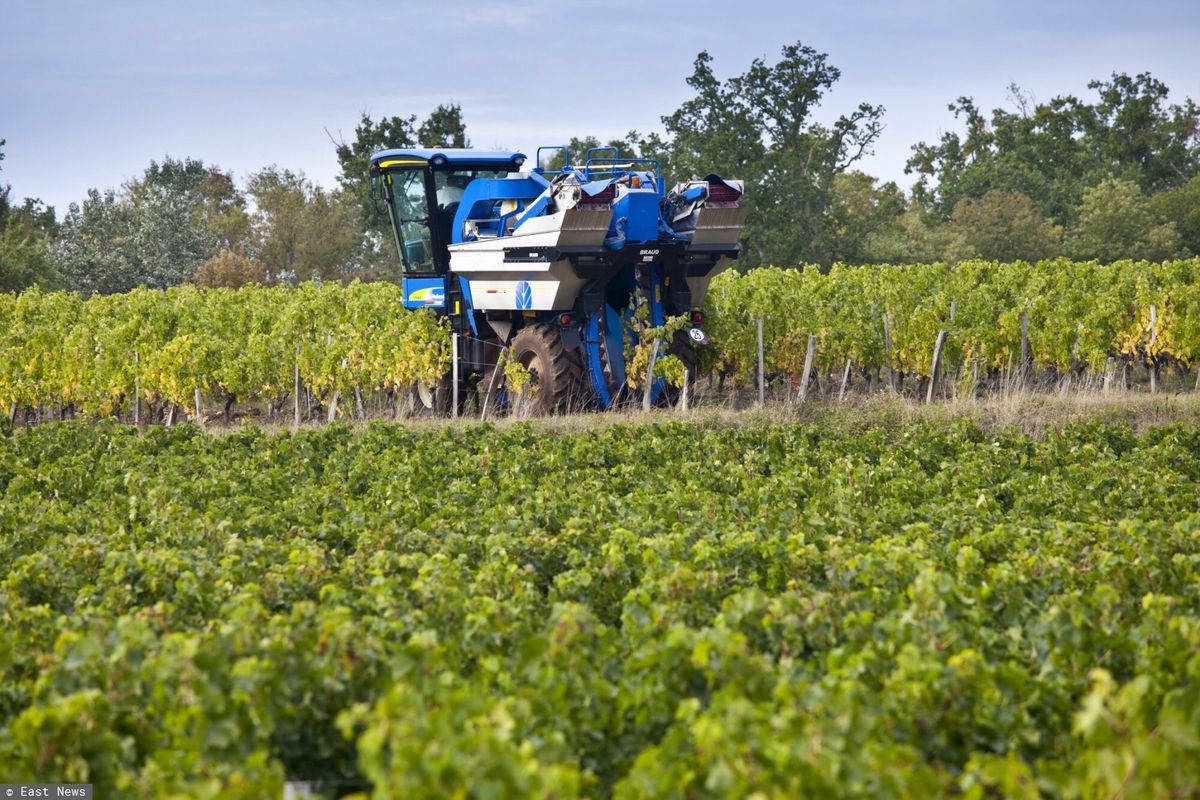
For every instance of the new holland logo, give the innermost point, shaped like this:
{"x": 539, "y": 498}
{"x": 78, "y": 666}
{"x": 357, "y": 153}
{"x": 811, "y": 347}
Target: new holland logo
{"x": 524, "y": 296}
{"x": 431, "y": 296}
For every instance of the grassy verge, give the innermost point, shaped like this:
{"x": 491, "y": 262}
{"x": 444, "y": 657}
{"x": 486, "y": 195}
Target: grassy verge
{"x": 1032, "y": 414}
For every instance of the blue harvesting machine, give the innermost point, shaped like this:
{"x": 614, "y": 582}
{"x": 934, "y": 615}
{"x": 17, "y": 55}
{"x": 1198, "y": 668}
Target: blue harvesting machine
{"x": 554, "y": 265}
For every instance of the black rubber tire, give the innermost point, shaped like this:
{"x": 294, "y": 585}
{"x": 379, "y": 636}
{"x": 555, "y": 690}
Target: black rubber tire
{"x": 557, "y": 374}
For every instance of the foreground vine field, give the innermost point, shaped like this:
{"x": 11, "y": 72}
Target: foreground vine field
{"x": 654, "y": 610}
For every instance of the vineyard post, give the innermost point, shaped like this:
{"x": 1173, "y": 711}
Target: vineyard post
{"x": 296, "y": 391}
{"x": 199, "y": 410}
{"x": 845, "y": 381}
{"x": 650, "y": 376}
{"x": 137, "y": 391}
{"x": 953, "y": 393}
{"x": 454, "y": 376}
{"x": 683, "y": 394}
{"x": 809, "y": 355}
{"x": 297, "y": 790}
{"x": 937, "y": 362}
{"x": 762, "y": 386}
{"x": 496, "y": 371}
{"x": 331, "y": 417}
{"x": 1110, "y": 371}
{"x": 1024, "y": 350}
{"x": 887, "y": 346}
{"x": 1153, "y": 338}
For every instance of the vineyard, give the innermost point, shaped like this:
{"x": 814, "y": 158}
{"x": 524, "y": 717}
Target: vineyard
{"x": 167, "y": 347}
{"x": 868, "y": 326}
{"x": 1058, "y": 316}
{"x": 667, "y": 610}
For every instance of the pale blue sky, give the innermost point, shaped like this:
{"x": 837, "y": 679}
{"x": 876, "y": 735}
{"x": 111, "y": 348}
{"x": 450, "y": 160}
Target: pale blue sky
{"x": 90, "y": 92}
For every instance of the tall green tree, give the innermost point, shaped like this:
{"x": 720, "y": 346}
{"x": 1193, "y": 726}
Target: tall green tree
{"x": 1116, "y": 221}
{"x": 630, "y": 145}
{"x": 759, "y": 126}
{"x": 94, "y": 253}
{"x": 1003, "y": 226}
{"x": 25, "y": 233}
{"x": 301, "y": 231}
{"x": 155, "y": 232}
{"x": 24, "y": 260}
{"x": 5, "y": 189}
{"x": 444, "y": 127}
{"x": 1053, "y": 151}
{"x": 860, "y": 211}
{"x": 1181, "y": 207}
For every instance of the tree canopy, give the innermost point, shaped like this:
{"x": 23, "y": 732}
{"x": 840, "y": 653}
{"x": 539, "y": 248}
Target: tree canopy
{"x": 759, "y": 126}
{"x": 1052, "y": 152}
{"x": 25, "y": 232}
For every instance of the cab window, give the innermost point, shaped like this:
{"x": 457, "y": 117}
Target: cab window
{"x": 410, "y": 216}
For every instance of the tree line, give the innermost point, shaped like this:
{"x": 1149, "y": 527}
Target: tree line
{"x": 1112, "y": 175}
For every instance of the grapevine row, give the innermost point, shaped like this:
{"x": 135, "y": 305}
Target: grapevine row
{"x": 94, "y": 354}
{"x": 1078, "y": 315}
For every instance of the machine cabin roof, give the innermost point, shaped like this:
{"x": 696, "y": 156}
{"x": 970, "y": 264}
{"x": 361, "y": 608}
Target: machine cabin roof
{"x": 409, "y": 157}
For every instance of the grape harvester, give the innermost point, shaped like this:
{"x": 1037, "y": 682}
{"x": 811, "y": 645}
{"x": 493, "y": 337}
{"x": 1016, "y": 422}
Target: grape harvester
{"x": 554, "y": 264}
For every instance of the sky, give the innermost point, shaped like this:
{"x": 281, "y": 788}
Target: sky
{"x": 91, "y": 92}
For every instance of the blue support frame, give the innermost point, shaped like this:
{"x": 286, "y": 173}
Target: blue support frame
{"x": 591, "y": 346}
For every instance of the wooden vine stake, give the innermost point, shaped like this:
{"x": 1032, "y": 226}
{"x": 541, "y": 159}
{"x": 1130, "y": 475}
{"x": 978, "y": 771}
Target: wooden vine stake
{"x": 809, "y": 355}
{"x": 331, "y": 416}
{"x": 1025, "y": 357}
{"x": 887, "y": 346}
{"x": 937, "y": 363}
{"x": 199, "y": 410}
{"x": 649, "y": 392}
{"x": 496, "y": 371}
{"x": 762, "y": 386}
{"x": 845, "y": 381}
{"x": 683, "y": 392}
{"x": 454, "y": 376}
{"x": 296, "y": 392}
{"x": 1153, "y": 339}
{"x": 137, "y": 391}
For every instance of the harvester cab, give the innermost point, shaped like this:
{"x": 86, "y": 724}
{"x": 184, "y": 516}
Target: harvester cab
{"x": 564, "y": 266}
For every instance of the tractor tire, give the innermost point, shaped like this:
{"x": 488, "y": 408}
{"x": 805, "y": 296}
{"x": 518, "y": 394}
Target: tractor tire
{"x": 556, "y": 375}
